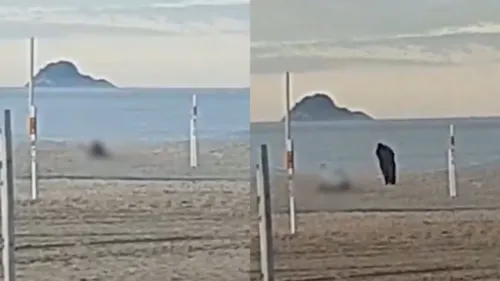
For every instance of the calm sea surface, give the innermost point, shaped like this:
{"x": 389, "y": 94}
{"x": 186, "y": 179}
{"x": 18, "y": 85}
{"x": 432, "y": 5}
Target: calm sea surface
{"x": 130, "y": 114}
{"x": 420, "y": 145}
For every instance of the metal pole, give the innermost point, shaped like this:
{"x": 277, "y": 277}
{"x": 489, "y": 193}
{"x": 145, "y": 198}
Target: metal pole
{"x": 290, "y": 162}
{"x": 32, "y": 130}
{"x": 287, "y": 106}
{"x": 452, "y": 184}
{"x": 7, "y": 200}
{"x": 193, "y": 142}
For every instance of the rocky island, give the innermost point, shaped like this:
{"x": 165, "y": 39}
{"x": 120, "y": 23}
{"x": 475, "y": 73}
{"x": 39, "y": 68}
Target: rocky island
{"x": 65, "y": 74}
{"x": 320, "y": 107}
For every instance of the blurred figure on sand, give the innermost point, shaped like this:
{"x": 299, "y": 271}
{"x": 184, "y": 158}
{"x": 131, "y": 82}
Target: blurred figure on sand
{"x": 333, "y": 179}
{"x": 97, "y": 150}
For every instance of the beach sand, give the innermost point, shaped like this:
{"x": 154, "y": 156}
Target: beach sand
{"x": 476, "y": 188}
{"x": 134, "y": 230}
{"x": 390, "y": 246}
{"x": 170, "y": 159}
{"x": 374, "y": 232}
{"x": 110, "y": 229}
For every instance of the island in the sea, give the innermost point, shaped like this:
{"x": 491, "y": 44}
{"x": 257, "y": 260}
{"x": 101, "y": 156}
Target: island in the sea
{"x": 65, "y": 74}
{"x": 320, "y": 107}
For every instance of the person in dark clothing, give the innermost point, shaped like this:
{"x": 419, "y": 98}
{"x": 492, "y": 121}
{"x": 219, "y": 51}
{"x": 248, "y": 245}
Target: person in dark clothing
{"x": 387, "y": 164}
{"x": 97, "y": 150}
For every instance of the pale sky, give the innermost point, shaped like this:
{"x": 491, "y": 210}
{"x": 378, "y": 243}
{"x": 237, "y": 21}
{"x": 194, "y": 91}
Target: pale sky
{"x": 392, "y": 59}
{"x": 133, "y": 43}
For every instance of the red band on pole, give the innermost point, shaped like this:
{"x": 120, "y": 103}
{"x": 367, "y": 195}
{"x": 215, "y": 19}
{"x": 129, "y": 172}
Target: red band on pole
{"x": 289, "y": 160}
{"x": 32, "y": 126}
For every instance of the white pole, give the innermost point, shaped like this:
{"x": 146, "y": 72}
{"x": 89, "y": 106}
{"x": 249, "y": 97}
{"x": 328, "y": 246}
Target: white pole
{"x": 193, "y": 142}
{"x": 452, "y": 186}
{"x": 265, "y": 219}
{"x": 289, "y": 156}
{"x": 32, "y": 130}
{"x": 7, "y": 201}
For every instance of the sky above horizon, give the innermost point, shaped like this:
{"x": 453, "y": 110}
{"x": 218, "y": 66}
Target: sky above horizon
{"x": 392, "y": 59}
{"x": 132, "y": 43}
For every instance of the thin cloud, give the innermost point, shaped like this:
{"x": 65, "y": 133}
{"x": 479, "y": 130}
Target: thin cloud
{"x": 124, "y": 3}
{"x": 170, "y": 18}
{"x": 22, "y": 30}
{"x": 10, "y": 29}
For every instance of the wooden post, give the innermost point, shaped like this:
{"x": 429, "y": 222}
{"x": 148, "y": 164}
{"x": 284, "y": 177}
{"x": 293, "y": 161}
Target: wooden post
{"x": 7, "y": 180}
{"x": 265, "y": 219}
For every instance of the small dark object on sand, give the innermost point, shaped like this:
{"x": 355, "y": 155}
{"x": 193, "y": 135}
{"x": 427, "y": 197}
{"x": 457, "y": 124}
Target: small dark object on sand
{"x": 98, "y": 150}
{"x": 335, "y": 180}
{"x": 326, "y": 186}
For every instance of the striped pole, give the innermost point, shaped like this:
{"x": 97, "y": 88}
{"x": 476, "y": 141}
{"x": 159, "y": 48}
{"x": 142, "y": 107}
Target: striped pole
{"x": 193, "y": 142}
{"x": 32, "y": 124}
{"x": 452, "y": 184}
{"x": 289, "y": 156}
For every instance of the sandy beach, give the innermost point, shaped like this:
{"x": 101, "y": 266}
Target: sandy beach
{"x": 412, "y": 231}
{"x": 102, "y": 229}
{"x": 391, "y": 246}
{"x": 112, "y": 229}
{"x": 477, "y": 188}
{"x": 137, "y": 159}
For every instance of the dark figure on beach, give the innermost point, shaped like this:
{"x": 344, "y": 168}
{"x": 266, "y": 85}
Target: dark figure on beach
{"x": 387, "y": 163}
{"x": 98, "y": 150}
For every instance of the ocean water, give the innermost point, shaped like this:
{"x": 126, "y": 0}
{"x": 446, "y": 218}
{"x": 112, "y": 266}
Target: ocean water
{"x": 130, "y": 114}
{"x": 420, "y": 145}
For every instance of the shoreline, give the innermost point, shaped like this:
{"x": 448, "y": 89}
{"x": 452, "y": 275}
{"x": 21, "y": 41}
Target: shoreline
{"x": 476, "y": 189}
{"x": 140, "y": 142}
{"x": 144, "y": 163}
{"x": 235, "y": 136}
